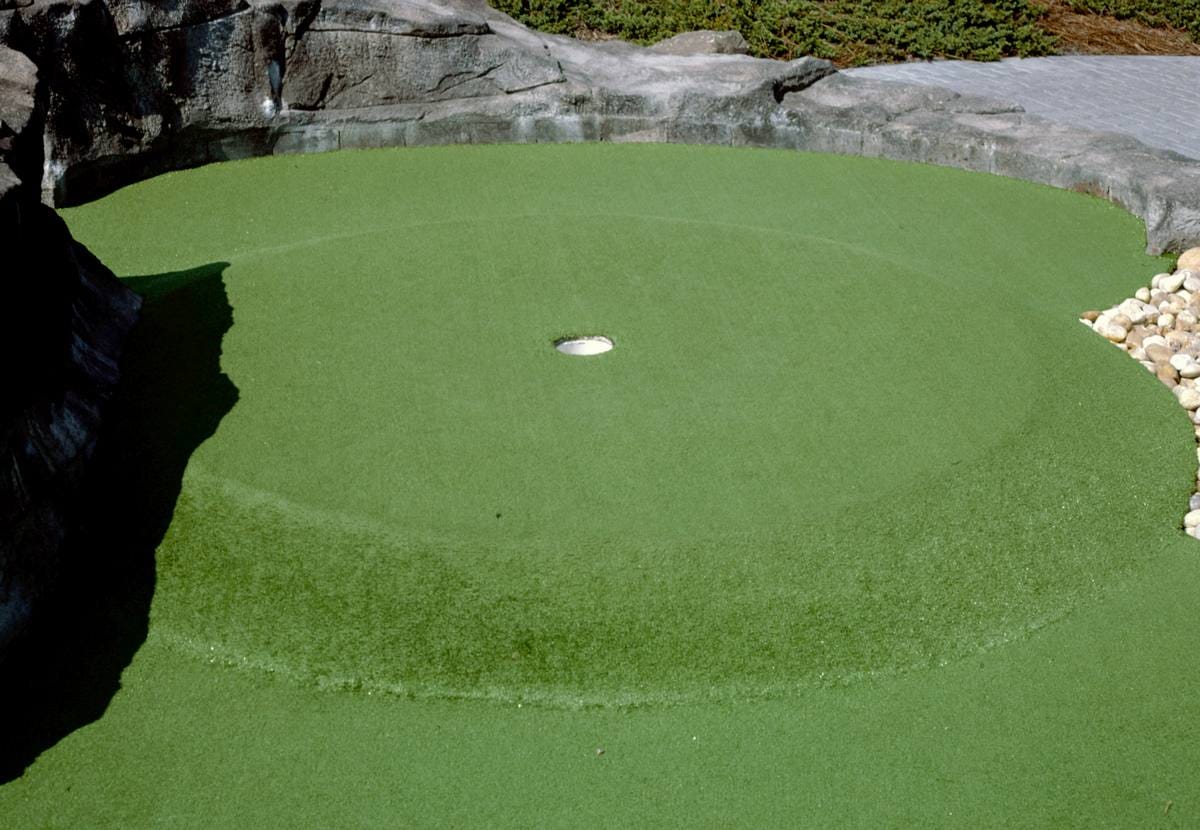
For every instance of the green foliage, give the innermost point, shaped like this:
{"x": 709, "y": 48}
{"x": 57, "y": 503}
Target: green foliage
{"x": 847, "y": 31}
{"x": 1182, "y": 14}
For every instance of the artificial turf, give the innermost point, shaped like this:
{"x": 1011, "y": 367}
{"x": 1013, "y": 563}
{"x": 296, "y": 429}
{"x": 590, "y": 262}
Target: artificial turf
{"x": 851, "y": 458}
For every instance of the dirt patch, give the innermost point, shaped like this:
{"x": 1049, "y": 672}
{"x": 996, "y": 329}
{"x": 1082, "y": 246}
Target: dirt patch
{"x": 1097, "y": 34}
{"x": 585, "y": 32}
{"x": 1099, "y": 191}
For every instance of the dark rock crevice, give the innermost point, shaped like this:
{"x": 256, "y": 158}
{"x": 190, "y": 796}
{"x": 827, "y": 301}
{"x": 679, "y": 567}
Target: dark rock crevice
{"x": 427, "y": 34}
{"x": 63, "y": 320}
{"x": 67, "y": 321}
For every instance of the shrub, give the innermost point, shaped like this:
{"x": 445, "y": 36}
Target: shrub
{"x": 848, "y": 31}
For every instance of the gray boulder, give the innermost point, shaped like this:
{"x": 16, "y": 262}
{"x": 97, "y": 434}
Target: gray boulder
{"x": 19, "y": 136}
{"x": 703, "y": 42}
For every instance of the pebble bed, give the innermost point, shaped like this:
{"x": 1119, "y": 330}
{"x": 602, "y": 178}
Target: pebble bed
{"x": 1159, "y": 326}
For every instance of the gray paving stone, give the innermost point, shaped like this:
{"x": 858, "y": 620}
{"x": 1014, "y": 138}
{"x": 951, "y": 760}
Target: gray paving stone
{"x": 1154, "y": 99}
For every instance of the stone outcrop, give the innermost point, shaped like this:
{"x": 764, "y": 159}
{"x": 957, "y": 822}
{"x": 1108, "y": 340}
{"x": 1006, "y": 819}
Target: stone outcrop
{"x": 138, "y": 87}
{"x": 1190, "y": 260}
{"x": 63, "y": 317}
{"x": 135, "y": 90}
{"x": 99, "y": 93}
{"x": 703, "y": 42}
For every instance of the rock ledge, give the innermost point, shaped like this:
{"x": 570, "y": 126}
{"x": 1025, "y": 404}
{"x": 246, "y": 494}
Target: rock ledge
{"x": 135, "y": 88}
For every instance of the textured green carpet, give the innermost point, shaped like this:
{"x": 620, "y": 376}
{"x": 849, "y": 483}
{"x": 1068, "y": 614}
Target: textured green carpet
{"x": 1094, "y": 723}
{"x": 850, "y": 454}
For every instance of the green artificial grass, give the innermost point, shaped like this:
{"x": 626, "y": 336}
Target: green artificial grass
{"x": 853, "y": 474}
{"x": 1091, "y": 724}
{"x": 776, "y": 478}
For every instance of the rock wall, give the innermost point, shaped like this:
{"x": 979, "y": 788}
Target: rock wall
{"x": 63, "y": 317}
{"x": 136, "y": 87}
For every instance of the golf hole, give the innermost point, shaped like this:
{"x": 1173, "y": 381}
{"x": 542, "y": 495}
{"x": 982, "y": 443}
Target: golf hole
{"x": 584, "y": 346}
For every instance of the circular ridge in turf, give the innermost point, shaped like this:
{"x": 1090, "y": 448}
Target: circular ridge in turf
{"x": 850, "y": 428}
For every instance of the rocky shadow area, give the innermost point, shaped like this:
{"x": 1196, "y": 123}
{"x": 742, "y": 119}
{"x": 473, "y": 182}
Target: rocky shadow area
{"x": 63, "y": 321}
{"x": 64, "y": 669}
{"x": 98, "y": 415}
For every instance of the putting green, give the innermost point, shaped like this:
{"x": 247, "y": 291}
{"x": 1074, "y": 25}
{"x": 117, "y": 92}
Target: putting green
{"x": 831, "y": 441}
{"x": 850, "y": 436}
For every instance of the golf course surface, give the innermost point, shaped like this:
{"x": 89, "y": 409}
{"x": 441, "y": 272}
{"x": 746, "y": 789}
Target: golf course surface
{"x": 855, "y": 525}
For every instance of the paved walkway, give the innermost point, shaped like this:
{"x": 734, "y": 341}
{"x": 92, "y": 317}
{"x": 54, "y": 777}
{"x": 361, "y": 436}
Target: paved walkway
{"x": 1154, "y": 99}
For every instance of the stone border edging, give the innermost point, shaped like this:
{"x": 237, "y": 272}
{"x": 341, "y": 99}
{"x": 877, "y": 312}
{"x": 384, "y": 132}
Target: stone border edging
{"x": 1149, "y": 97}
{"x": 272, "y": 77}
{"x": 1159, "y": 326}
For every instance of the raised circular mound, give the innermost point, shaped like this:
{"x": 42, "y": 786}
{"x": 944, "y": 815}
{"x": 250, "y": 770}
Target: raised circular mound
{"x": 851, "y": 426}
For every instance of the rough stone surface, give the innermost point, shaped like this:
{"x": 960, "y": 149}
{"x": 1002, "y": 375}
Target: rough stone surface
{"x": 920, "y": 123}
{"x": 20, "y": 140}
{"x": 1145, "y": 96}
{"x": 134, "y": 88}
{"x": 135, "y": 17}
{"x": 704, "y": 42}
{"x": 63, "y": 317}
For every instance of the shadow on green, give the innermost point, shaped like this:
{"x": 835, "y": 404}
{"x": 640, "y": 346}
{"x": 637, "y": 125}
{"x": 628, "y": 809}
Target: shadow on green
{"x": 172, "y": 396}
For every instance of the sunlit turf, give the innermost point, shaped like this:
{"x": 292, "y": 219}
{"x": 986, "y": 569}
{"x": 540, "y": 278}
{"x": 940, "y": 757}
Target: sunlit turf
{"x": 849, "y": 426}
{"x": 855, "y": 527}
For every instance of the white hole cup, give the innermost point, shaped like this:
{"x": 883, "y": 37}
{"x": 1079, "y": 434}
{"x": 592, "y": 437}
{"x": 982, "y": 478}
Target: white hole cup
{"x": 584, "y": 346}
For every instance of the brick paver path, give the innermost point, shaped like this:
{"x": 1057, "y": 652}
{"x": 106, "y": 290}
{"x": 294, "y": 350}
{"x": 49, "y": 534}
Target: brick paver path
{"x": 1154, "y": 99}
